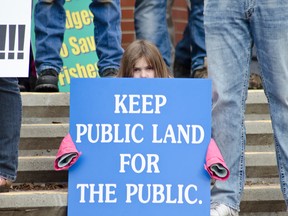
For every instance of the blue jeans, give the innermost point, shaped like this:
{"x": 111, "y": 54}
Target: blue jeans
{"x": 10, "y": 118}
{"x": 193, "y": 37}
{"x": 150, "y": 24}
{"x": 107, "y": 33}
{"x": 49, "y": 18}
{"x": 231, "y": 27}
{"x": 50, "y": 28}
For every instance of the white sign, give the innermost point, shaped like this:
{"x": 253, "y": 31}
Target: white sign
{"x": 15, "y": 25}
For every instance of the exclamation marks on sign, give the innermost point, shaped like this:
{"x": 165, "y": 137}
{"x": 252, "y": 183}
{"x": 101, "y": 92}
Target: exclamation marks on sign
{"x": 12, "y": 32}
{"x": 12, "y": 41}
{"x": 3, "y": 29}
{"x": 21, "y": 35}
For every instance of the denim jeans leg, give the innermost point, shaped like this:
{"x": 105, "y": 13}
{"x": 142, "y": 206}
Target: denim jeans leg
{"x": 107, "y": 33}
{"x": 228, "y": 44}
{"x": 10, "y": 118}
{"x": 150, "y": 24}
{"x": 50, "y": 18}
{"x": 270, "y": 30}
{"x": 197, "y": 34}
{"x": 183, "y": 48}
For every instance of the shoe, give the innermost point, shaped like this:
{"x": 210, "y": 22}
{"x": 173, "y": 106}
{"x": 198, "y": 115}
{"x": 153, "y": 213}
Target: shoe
{"x": 255, "y": 82}
{"x": 22, "y": 88}
{"x": 109, "y": 72}
{"x": 200, "y": 73}
{"x": 4, "y": 185}
{"x": 222, "y": 210}
{"x": 181, "y": 70}
{"x": 23, "y": 84}
{"x": 47, "y": 81}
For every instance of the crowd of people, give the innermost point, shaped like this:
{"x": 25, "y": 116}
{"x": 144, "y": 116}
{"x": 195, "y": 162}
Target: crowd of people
{"x": 218, "y": 38}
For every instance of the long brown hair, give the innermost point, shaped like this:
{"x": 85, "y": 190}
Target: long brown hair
{"x": 138, "y": 49}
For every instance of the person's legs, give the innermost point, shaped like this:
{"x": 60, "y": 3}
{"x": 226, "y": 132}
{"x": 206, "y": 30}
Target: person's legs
{"x": 10, "y": 118}
{"x": 150, "y": 24}
{"x": 107, "y": 34}
{"x": 171, "y": 29}
{"x": 255, "y": 81}
{"x": 197, "y": 38}
{"x": 50, "y": 20}
{"x": 229, "y": 45}
{"x": 270, "y": 29}
{"x": 182, "y": 62}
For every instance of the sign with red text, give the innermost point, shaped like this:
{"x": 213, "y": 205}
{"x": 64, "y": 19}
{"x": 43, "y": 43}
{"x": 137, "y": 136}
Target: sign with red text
{"x": 143, "y": 144}
{"x": 15, "y": 24}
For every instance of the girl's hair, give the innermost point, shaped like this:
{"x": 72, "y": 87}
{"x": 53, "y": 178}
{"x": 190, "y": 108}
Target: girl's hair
{"x": 138, "y": 49}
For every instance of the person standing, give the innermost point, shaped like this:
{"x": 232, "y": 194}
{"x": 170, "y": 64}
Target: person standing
{"x": 10, "y": 118}
{"x": 150, "y": 24}
{"x": 108, "y": 35}
{"x": 50, "y": 17}
{"x": 190, "y": 51}
{"x": 231, "y": 28}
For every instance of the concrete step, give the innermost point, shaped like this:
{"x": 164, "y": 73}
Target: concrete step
{"x": 45, "y": 107}
{"x": 46, "y": 122}
{"x": 34, "y": 203}
{"x": 48, "y": 105}
{"x": 261, "y": 165}
{"x": 256, "y": 102}
{"x": 263, "y": 198}
{"x": 42, "y": 136}
{"x": 259, "y": 135}
{"x": 52, "y": 100}
{"x": 49, "y": 136}
{"x": 39, "y": 169}
{"x": 263, "y": 213}
{"x": 257, "y": 200}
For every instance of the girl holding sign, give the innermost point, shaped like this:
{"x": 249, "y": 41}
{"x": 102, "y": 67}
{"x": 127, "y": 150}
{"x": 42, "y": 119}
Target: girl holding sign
{"x": 142, "y": 59}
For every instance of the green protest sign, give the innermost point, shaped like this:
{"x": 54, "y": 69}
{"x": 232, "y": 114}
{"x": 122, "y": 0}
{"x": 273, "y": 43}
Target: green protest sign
{"x": 78, "y": 49}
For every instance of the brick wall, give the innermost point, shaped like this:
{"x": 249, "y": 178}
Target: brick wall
{"x": 179, "y": 14}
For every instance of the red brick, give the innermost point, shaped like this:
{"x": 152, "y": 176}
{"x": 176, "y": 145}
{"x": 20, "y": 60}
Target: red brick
{"x": 180, "y": 3}
{"x": 128, "y": 37}
{"x": 180, "y": 26}
{"x": 127, "y": 26}
{"x": 127, "y": 3}
{"x": 128, "y": 14}
{"x": 179, "y": 14}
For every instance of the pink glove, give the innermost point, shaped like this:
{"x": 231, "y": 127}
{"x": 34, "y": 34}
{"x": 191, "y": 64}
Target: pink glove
{"x": 215, "y": 164}
{"x": 67, "y": 154}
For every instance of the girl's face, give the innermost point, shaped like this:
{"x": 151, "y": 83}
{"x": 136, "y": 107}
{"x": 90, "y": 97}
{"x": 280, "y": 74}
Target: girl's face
{"x": 142, "y": 69}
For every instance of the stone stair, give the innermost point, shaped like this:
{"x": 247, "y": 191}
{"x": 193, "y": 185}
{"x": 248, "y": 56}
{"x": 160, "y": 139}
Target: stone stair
{"x": 46, "y": 121}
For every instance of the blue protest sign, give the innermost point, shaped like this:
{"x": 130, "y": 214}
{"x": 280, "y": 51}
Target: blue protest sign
{"x": 143, "y": 144}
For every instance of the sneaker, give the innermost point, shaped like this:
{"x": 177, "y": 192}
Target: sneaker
{"x": 47, "y": 81}
{"x": 109, "y": 72}
{"x": 181, "y": 70}
{"x": 255, "y": 81}
{"x": 23, "y": 84}
{"x": 4, "y": 185}
{"x": 222, "y": 210}
{"x": 200, "y": 73}
{"x": 22, "y": 88}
